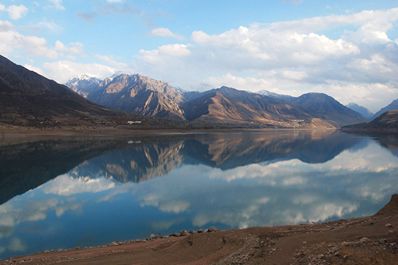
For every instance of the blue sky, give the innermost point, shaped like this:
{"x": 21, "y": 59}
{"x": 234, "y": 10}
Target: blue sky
{"x": 347, "y": 49}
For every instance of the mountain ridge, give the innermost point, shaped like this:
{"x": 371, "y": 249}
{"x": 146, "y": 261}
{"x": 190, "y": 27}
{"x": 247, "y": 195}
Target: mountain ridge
{"x": 224, "y": 106}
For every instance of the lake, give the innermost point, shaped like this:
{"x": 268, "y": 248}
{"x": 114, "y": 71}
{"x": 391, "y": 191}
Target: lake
{"x": 57, "y": 194}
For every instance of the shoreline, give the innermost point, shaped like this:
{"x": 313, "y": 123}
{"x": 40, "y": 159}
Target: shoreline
{"x": 19, "y": 134}
{"x": 364, "y": 240}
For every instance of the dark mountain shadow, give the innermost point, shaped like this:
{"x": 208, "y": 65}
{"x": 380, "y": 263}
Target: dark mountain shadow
{"x": 28, "y": 165}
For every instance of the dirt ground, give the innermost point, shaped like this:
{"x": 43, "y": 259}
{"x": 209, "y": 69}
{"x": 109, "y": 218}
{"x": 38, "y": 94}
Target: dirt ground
{"x": 369, "y": 240}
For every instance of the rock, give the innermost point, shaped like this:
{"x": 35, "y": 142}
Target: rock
{"x": 200, "y": 231}
{"x": 184, "y": 233}
{"x": 153, "y": 236}
{"x": 388, "y": 225}
{"x": 212, "y": 229}
{"x": 364, "y": 240}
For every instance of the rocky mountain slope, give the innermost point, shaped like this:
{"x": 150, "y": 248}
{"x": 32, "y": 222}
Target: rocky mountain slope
{"x": 29, "y": 99}
{"x": 133, "y": 94}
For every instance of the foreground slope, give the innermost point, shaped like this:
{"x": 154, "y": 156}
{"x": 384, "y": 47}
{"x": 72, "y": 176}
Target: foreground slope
{"x": 29, "y": 99}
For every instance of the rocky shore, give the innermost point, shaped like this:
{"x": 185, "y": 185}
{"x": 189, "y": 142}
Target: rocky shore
{"x": 367, "y": 240}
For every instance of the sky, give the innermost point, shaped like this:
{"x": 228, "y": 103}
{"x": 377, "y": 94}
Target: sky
{"x": 347, "y": 49}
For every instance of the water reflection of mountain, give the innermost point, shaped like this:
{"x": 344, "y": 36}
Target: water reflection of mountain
{"x": 138, "y": 161}
{"x": 26, "y": 166}
{"x": 230, "y": 151}
{"x": 147, "y": 159}
{"x": 390, "y": 142}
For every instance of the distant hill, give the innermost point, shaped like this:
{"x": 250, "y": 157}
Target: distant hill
{"x": 361, "y": 110}
{"x": 231, "y": 106}
{"x": 392, "y": 106}
{"x": 386, "y": 122}
{"x": 325, "y": 107}
{"x": 29, "y": 99}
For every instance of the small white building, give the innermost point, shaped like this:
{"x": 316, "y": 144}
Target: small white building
{"x": 133, "y": 122}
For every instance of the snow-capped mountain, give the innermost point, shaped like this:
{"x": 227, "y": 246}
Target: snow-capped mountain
{"x": 132, "y": 93}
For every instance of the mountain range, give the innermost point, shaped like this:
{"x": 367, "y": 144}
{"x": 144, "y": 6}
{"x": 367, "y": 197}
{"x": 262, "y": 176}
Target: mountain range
{"x": 29, "y": 99}
{"x": 222, "y": 106}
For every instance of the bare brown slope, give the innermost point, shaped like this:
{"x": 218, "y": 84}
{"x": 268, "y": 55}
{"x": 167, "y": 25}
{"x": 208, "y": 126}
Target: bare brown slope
{"x": 29, "y": 99}
{"x": 225, "y": 106}
{"x": 367, "y": 241}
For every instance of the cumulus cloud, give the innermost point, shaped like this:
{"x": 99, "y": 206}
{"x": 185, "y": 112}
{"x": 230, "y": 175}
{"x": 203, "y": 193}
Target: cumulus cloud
{"x": 64, "y": 70}
{"x": 170, "y": 50}
{"x": 59, "y": 60}
{"x": 292, "y": 56}
{"x": 164, "y": 33}
{"x": 13, "y": 42}
{"x": 15, "y": 12}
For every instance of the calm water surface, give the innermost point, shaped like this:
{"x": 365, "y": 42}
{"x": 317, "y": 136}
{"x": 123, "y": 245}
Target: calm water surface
{"x": 63, "y": 194}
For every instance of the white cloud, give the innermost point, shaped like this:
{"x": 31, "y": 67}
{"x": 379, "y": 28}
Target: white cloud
{"x": 291, "y": 57}
{"x": 64, "y": 70}
{"x": 164, "y": 33}
{"x": 170, "y": 50}
{"x": 16, "y": 11}
{"x": 74, "y": 48}
{"x": 57, "y": 4}
{"x": 5, "y": 25}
